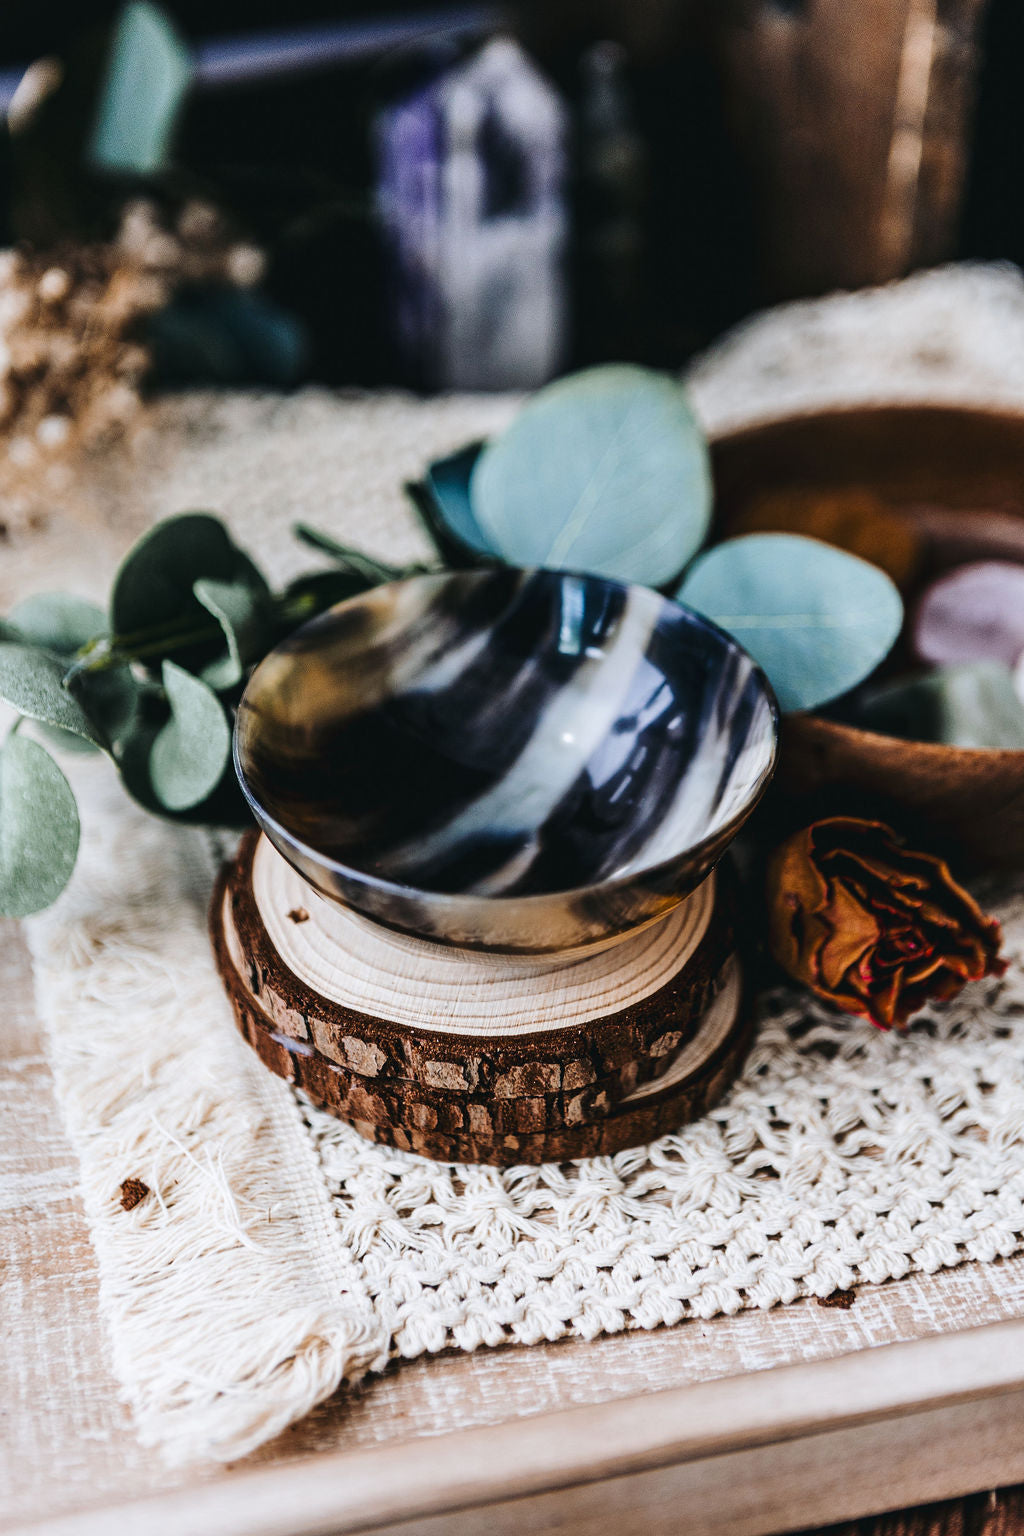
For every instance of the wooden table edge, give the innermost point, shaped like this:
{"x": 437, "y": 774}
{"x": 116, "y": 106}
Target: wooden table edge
{"x": 953, "y": 1388}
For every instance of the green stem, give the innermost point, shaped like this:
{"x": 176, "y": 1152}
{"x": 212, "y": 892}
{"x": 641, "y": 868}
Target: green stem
{"x": 353, "y": 560}
{"x": 103, "y": 654}
{"x": 296, "y": 609}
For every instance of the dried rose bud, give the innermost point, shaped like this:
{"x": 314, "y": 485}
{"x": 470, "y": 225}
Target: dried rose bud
{"x": 874, "y": 928}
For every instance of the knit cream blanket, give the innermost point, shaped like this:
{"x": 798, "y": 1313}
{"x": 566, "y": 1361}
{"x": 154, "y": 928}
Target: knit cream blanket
{"x": 278, "y": 1254}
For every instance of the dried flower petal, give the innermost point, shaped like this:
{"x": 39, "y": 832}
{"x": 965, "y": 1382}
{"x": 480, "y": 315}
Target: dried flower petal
{"x": 133, "y": 1192}
{"x": 876, "y": 929}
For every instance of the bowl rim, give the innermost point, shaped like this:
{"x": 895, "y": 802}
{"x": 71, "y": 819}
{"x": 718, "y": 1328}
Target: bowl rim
{"x": 455, "y": 900}
{"x": 997, "y": 413}
{"x": 937, "y": 751}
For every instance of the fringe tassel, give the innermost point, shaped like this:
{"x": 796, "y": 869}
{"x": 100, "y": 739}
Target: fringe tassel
{"x": 232, "y": 1303}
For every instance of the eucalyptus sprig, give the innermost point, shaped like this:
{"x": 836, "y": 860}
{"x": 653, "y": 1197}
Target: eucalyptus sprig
{"x": 606, "y": 471}
{"x": 152, "y": 682}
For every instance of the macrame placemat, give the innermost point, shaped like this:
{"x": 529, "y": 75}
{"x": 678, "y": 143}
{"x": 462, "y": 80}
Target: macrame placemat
{"x": 277, "y": 1253}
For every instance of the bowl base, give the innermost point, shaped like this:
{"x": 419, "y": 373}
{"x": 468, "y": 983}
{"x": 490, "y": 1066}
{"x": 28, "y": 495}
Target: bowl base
{"x": 470, "y": 1057}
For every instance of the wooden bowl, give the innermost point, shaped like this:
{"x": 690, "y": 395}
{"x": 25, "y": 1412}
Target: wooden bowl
{"x": 930, "y": 462}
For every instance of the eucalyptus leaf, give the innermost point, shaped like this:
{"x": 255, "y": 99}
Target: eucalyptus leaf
{"x": 67, "y": 741}
{"x": 223, "y": 807}
{"x": 243, "y": 613}
{"x": 39, "y": 828}
{"x": 189, "y": 754}
{"x": 443, "y": 500}
{"x": 148, "y": 74}
{"x": 58, "y": 621}
{"x": 154, "y": 611}
{"x": 61, "y": 623}
{"x": 133, "y": 758}
{"x": 972, "y": 705}
{"x": 818, "y": 620}
{"x": 111, "y": 699}
{"x": 605, "y": 472}
{"x": 32, "y": 681}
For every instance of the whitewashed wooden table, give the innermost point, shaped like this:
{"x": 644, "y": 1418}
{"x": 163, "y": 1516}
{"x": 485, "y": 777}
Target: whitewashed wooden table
{"x": 756, "y": 1423}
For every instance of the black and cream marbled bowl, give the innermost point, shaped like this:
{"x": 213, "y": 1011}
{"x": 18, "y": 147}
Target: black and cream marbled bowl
{"x": 517, "y": 761}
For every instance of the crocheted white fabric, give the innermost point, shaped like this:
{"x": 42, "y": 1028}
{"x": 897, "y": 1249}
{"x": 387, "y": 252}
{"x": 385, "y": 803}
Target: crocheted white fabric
{"x": 842, "y": 1155}
{"x": 281, "y": 1253}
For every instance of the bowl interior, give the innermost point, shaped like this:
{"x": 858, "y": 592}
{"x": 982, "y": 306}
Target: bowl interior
{"x": 505, "y": 733}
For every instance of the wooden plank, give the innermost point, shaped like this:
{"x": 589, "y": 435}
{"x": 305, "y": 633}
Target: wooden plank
{"x": 65, "y": 1432}
{"x": 744, "y": 1456}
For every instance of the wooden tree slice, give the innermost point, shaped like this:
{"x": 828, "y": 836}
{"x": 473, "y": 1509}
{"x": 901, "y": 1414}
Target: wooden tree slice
{"x": 520, "y": 1093}
{"x": 386, "y": 1103}
{"x": 494, "y": 1026}
{"x": 700, "y": 1073}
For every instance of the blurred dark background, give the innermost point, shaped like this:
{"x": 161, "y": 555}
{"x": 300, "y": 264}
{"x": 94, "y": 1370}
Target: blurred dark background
{"x": 635, "y": 176}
